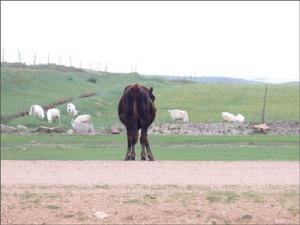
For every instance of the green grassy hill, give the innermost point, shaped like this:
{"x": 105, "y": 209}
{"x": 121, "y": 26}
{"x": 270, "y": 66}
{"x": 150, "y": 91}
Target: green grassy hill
{"x": 22, "y": 87}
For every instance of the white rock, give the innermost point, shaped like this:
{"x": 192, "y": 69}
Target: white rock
{"x": 71, "y": 131}
{"x": 100, "y": 215}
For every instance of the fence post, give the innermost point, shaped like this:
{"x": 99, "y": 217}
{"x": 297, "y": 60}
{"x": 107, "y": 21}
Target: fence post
{"x": 34, "y": 58}
{"x": 3, "y": 52}
{"x": 264, "y": 104}
{"x": 19, "y": 56}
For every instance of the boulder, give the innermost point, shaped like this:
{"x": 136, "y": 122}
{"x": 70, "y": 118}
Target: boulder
{"x": 70, "y": 131}
{"x": 261, "y": 128}
{"x": 7, "y": 129}
{"x": 49, "y": 130}
{"x": 115, "y": 130}
{"x": 21, "y": 128}
{"x": 84, "y": 128}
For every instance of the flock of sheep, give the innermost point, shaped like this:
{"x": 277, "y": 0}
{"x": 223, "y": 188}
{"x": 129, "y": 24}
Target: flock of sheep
{"x": 177, "y": 114}
{"x": 54, "y": 114}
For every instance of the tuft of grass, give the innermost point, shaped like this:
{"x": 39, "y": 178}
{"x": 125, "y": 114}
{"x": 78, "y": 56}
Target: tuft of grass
{"x": 52, "y": 207}
{"x": 132, "y": 201}
{"x": 285, "y": 196}
{"x": 294, "y": 210}
{"x": 29, "y": 197}
{"x": 184, "y": 198}
{"x": 149, "y": 199}
{"x": 222, "y": 196}
{"x": 68, "y": 216}
{"x": 254, "y": 196}
{"x": 105, "y": 186}
{"x": 92, "y": 80}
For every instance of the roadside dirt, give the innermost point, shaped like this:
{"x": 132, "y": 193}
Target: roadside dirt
{"x": 211, "y": 173}
{"x": 160, "y": 192}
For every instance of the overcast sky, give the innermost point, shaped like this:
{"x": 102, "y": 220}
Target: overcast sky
{"x": 247, "y": 39}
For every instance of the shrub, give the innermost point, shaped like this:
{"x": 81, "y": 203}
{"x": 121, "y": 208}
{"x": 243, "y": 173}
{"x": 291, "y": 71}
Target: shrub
{"x": 92, "y": 80}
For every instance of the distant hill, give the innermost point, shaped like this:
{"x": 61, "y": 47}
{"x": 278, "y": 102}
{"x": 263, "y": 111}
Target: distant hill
{"x": 292, "y": 83}
{"x": 22, "y": 86}
{"x": 210, "y": 80}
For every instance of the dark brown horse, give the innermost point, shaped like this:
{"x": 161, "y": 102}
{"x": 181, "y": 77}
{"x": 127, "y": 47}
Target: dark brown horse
{"x": 137, "y": 111}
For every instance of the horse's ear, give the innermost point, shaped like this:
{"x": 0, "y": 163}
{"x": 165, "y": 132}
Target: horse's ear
{"x": 126, "y": 88}
{"x": 151, "y": 90}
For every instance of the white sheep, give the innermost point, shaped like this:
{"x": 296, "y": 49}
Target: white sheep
{"x": 228, "y": 117}
{"x": 37, "y": 111}
{"x": 71, "y": 109}
{"x": 232, "y": 118}
{"x": 53, "y": 114}
{"x": 240, "y": 118}
{"x": 177, "y": 114}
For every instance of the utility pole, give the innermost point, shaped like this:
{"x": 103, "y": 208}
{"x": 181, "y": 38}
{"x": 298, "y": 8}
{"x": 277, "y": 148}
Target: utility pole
{"x": 3, "y": 52}
{"x": 48, "y": 58}
{"x": 19, "y": 56}
{"x": 70, "y": 60}
{"x": 264, "y": 104}
{"x": 34, "y": 58}
{"x": 59, "y": 60}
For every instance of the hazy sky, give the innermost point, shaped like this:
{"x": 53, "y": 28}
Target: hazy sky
{"x": 247, "y": 39}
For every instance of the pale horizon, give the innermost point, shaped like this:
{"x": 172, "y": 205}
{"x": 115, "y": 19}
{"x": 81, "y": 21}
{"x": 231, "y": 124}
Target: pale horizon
{"x": 246, "y": 40}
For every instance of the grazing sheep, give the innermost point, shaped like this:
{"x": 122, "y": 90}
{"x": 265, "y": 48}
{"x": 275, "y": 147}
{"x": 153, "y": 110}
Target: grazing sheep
{"x": 83, "y": 124}
{"x": 37, "y": 111}
{"x": 177, "y": 114}
{"x": 53, "y": 114}
{"x": 71, "y": 109}
{"x": 232, "y": 118}
{"x": 228, "y": 116}
{"x": 240, "y": 118}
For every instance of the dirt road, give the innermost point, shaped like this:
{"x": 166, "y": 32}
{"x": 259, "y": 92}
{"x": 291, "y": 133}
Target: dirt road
{"x": 160, "y": 192}
{"x": 180, "y": 173}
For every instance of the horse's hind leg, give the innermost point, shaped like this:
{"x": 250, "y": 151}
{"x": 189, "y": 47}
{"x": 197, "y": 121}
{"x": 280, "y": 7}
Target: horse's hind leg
{"x": 143, "y": 152}
{"x": 145, "y": 145}
{"x": 131, "y": 141}
{"x": 129, "y": 144}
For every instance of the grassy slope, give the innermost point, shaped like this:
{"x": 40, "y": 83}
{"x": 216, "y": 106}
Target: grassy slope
{"x": 22, "y": 87}
{"x": 113, "y": 147}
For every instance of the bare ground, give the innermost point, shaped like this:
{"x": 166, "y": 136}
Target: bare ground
{"x": 168, "y": 192}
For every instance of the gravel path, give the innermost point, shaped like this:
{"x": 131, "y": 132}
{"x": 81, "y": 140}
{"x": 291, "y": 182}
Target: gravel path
{"x": 212, "y": 173}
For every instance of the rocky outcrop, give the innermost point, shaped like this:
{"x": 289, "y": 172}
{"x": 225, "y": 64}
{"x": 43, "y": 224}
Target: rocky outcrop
{"x": 276, "y": 128}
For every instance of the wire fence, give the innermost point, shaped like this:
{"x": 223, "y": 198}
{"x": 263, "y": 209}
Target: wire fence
{"x": 35, "y": 58}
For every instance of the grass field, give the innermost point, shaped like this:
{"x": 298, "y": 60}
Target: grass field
{"x": 113, "y": 147}
{"x": 20, "y": 88}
